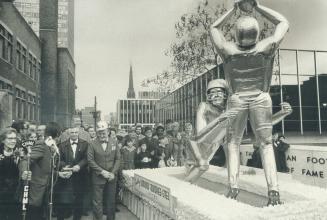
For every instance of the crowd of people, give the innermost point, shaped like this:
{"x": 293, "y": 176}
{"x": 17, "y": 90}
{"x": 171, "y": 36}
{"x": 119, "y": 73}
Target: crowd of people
{"x": 86, "y": 165}
{"x": 79, "y": 168}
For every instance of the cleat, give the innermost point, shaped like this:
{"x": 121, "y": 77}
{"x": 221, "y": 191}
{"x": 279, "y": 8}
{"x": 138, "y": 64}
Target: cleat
{"x": 233, "y": 193}
{"x": 273, "y": 198}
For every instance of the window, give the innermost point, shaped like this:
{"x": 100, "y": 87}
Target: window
{"x": 34, "y": 68}
{"x": 30, "y": 65}
{"x": 9, "y": 48}
{"x": 2, "y": 46}
{"x": 18, "y": 56}
{"x": 24, "y": 69}
{"x": 21, "y": 54}
{"x": 38, "y": 72}
{"x": 6, "y": 41}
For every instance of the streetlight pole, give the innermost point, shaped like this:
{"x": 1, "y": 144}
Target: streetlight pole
{"x": 95, "y": 116}
{"x": 80, "y": 114}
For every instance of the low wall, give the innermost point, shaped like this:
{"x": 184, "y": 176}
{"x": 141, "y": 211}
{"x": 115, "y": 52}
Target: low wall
{"x": 307, "y": 164}
{"x": 157, "y": 194}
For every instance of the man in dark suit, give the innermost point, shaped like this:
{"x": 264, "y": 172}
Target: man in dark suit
{"x": 104, "y": 160}
{"x": 73, "y": 153}
{"x": 40, "y": 166}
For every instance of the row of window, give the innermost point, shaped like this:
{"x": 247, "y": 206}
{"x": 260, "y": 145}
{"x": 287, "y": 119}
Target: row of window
{"x": 27, "y": 111}
{"x": 26, "y": 62}
{"x": 27, "y": 106}
{"x": 5, "y": 86}
{"x": 26, "y": 4}
{"x": 6, "y": 44}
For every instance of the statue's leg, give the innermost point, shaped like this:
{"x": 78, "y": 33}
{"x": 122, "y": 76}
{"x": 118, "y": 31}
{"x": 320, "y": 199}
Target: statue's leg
{"x": 234, "y": 138}
{"x": 261, "y": 116}
{"x": 225, "y": 147}
{"x": 196, "y": 173}
{"x": 261, "y": 122}
{"x": 203, "y": 165}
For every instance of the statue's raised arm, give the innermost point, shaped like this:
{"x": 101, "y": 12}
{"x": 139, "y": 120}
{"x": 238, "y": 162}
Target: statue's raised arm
{"x": 271, "y": 44}
{"x": 223, "y": 47}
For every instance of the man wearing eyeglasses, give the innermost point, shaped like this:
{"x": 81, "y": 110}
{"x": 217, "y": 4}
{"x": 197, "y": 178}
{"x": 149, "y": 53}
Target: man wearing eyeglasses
{"x": 104, "y": 161}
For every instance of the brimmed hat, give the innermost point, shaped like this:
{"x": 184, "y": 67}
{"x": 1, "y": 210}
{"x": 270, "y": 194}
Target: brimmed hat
{"x": 102, "y": 125}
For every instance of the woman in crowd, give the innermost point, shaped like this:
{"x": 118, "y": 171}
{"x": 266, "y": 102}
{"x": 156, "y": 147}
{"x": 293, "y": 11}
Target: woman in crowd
{"x": 9, "y": 175}
{"x": 161, "y": 154}
{"x": 21, "y": 128}
{"x": 143, "y": 157}
{"x": 32, "y": 136}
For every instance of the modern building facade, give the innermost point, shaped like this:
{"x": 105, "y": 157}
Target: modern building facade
{"x": 30, "y": 11}
{"x": 135, "y": 110}
{"x": 66, "y": 15}
{"x": 150, "y": 95}
{"x": 181, "y": 104}
{"x": 300, "y": 78}
{"x": 132, "y": 111}
{"x": 20, "y": 65}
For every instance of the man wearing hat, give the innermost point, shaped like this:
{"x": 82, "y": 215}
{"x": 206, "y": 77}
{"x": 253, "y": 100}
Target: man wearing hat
{"x": 104, "y": 161}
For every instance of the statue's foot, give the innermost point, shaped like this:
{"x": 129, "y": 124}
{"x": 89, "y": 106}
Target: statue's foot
{"x": 233, "y": 193}
{"x": 273, "y": 198}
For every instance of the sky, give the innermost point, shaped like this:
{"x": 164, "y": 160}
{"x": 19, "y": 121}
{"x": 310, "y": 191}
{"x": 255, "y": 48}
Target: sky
{"x": 110, "y": 35}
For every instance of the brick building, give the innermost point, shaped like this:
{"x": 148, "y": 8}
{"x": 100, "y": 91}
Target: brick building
{"x": 20, "y": 63}
{"x": 39, "y": 81}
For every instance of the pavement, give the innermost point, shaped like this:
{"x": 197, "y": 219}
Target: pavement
{"x": 124, "y": 214}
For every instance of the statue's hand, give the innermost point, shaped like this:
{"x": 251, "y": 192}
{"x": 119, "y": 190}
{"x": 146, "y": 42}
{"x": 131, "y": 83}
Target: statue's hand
{"x": 286, "y": 108}
{"x": 229, "y": 114}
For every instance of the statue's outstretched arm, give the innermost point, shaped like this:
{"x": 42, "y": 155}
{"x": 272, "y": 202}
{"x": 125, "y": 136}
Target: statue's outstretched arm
{"x": 215, "y": 131}
{"x": 279, "y": 20}
{"x": 222, "y": 46}
{"x": 285, "y": 111}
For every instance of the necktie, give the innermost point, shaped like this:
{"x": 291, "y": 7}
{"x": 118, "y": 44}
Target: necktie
{"x": 104, "y": 145}
{"x": 74, "y": 146}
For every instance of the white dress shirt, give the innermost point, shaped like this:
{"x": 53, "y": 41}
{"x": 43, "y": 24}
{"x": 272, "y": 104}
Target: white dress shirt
{"x": 73, "y": 145}
{"x": 104, "y": 145}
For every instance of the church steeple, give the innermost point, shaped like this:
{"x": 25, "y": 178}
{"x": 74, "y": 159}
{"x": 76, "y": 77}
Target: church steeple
{"x": 130, "y": 91}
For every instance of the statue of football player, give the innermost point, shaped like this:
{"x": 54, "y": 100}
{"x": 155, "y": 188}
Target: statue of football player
{"x": 248, "y": 66}
{"x": 212, "y": 119}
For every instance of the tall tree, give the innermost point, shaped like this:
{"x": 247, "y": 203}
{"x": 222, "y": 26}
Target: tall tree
{"x": 192, "y": 52}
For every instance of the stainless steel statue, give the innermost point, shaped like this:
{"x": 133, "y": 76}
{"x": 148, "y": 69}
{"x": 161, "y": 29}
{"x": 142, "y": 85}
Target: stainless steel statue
{"x": 212, "y": 121}
{"x": 248, "y": 65}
